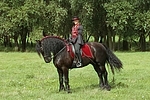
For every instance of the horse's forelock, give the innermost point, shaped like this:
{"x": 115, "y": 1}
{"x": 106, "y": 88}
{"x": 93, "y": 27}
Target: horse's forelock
{"x": 38, "y": 47}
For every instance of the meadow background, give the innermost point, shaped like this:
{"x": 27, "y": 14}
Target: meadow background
{"x": 25, "y": 76}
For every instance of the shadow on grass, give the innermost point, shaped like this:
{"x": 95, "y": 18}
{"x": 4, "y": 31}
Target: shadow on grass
{"x": 96, "y": 86}
{"x": 118, "y": 85}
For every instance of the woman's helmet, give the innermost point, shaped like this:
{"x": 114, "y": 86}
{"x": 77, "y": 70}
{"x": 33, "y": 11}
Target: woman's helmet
{"x": 75, "y": 18}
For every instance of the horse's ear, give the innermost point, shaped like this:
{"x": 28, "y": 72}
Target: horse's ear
{"x": 38, "y": 41}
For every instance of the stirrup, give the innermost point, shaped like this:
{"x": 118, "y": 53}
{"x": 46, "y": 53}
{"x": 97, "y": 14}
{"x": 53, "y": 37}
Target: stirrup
{"x": 79, "y": 64}
{"x": 74, "y": 64}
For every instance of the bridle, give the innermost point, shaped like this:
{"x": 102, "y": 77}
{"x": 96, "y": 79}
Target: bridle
{"x": 59, "y": 52}
{"x": 55, "y": 54}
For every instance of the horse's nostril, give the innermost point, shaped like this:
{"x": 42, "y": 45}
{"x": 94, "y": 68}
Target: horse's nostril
{"x": 47, "y": 59}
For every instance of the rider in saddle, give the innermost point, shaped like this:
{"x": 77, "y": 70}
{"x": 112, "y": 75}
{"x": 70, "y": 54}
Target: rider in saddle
{"x": 77, "y": 40}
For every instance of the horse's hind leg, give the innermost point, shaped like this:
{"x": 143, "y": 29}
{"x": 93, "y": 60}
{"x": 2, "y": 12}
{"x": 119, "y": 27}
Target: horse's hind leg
{"x": 60, "y": 73}
{"x": 102, "y": 74}
{"x": 105, "y": 74}
{"x": 98, "y": 70}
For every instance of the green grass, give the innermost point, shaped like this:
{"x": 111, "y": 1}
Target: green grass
{"x": 25, "y": 76}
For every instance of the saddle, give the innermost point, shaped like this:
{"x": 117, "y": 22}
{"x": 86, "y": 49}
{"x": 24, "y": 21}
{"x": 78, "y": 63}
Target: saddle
{"x": 85, "y": 51}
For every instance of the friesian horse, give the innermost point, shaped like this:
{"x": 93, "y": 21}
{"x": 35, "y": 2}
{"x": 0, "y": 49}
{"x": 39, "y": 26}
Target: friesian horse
{"x": 54, "y": 47}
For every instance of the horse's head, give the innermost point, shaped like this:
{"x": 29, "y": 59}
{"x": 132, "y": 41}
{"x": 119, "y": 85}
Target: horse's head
{"x": 48, "y": 46}
{"x": 41, "y": 51}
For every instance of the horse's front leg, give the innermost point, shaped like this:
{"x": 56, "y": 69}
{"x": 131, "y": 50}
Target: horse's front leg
{"x": 66, "y": 79}
{"x": 60, "y": 73}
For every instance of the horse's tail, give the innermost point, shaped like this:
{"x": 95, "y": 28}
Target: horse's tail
{"x": 113, "y": 60}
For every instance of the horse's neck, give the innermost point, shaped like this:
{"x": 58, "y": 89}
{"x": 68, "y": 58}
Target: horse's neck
{"x": 59, "y": 48}
{"x": 59, "y": 52}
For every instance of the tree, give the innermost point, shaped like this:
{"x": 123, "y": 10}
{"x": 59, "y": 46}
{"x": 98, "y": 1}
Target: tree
{"x": 28, "y": 15}
{"x": 142, "y": 22}
{"x": 119, "y": 20}
{"x": 4, "y": 33}
{"x": 102, "y": 19}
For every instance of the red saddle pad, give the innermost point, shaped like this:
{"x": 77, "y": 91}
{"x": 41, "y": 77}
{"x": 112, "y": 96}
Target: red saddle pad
{"x": 86, "y": 51}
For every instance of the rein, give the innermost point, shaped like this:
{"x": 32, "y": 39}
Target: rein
{"x": 59, "y": 52}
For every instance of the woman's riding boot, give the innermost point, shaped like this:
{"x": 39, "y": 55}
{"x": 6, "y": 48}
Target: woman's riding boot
{"x": 79, "y": 63}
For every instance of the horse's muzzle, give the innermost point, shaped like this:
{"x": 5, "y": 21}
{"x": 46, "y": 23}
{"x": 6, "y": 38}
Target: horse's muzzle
{"x": 47, "y": 59}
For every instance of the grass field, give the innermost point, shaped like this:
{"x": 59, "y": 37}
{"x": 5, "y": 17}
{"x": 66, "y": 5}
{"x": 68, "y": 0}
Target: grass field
{"x": 25, "y": 76}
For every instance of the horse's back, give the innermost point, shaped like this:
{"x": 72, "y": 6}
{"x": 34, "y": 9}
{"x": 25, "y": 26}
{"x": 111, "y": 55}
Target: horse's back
{"x": 99, "y": 51}
{"x": 96, "y": 45}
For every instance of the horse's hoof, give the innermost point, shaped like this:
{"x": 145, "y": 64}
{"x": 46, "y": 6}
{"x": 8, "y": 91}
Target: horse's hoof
{"x": 69, "y": 91}
{"x": 61, "y": 89}
{"x": 102, "y": 86}
{"x": 107, "y": 87}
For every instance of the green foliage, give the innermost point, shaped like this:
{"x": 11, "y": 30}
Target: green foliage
{"x": 14, "y": 3}
{"x": 123, "y": 17}
{"x": 3, "y": 13}
{"x": 129, "y": 18}
{"x": 142, "y": 5}
{"x": 32, "y": 14}
{"x": 119, "y": 15}
{"x": 142, "y": 21}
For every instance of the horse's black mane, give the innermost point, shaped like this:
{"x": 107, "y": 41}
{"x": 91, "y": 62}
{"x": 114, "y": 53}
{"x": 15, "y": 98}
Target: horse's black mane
{"x": 53, "y": 44}
{"x": 57, "y": 37}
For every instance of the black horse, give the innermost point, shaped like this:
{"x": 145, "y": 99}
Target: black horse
{"x": 53, "y": 47}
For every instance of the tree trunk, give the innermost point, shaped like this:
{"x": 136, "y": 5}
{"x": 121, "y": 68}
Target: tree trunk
{"x": 101, "y": 39}
{"x": 7, "y": 41}
{"x": 16, "y": 42}
{"x": 119, "y": 43}
{"x": 142, "y": 42}
{"x": 96, "y": 38}
{"x": 125, "y": 45}
{"x": 87, "y": 38}
{"x": 105, "y": 40}
{"x": 109, "y": 39}
{"x": 23, "y": 38}
{"x": 149, "y": 40}
{"x": 110, "y": 43}
{"x": 114, "y": 42}
{"x": 23, "y": 41}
